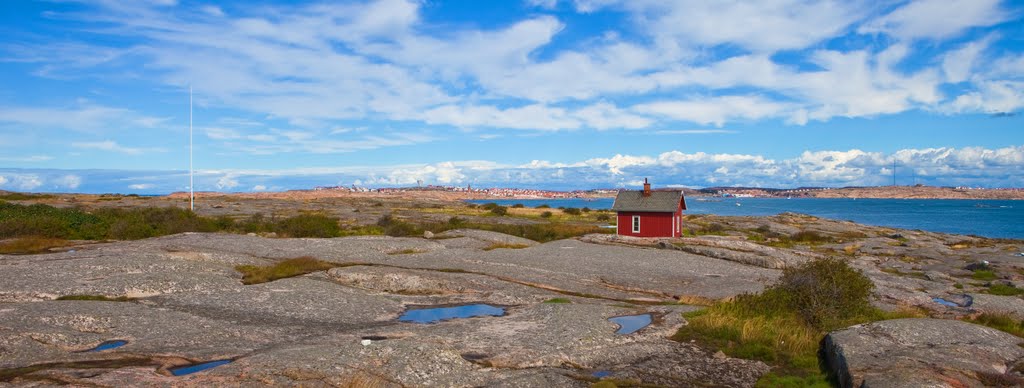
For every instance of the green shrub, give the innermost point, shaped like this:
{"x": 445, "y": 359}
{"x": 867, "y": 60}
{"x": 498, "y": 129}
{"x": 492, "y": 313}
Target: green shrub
{"x": 586, "y": 209}
{"x": 1002, "y": 322}
{"x": 603, "y": 217}
{"x": 984, "y": 275}
{"x": 826, "y": 293}
{"x": 546, "y": 214}
{"x": 558, "y": 300}
{"x": 308, "y": 225}
{"x": 1004, "y": 289}
{"x": 499, "y": 210}
{"x": 518, "y": 206}
{"x": 489, "y": 206}
{"x": 784, "y": 324}
{"x": 544, "y": 206}
{"x": 571, "y": 211}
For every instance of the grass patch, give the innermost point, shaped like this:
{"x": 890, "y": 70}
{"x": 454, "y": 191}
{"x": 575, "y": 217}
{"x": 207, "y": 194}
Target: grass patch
{"x": 898, "y": 272}
{"x": 99, "y": 298}
{"x": 558, "y": 300}
{"x": 405, "y": 252}
{"x": 1004, "y": 289}
{"x": 984, "y": 275}
{"x": 254, "y": 274}
{"x": 1003, "y": 322}
{"x": 8, "y": 196}
{"x": 499, "y": 245}
{"x": 784, "y": 324}
{"x": 31, "y": 244}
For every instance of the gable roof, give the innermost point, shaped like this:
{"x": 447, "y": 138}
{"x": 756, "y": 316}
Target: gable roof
{"x": 659, "y": 201}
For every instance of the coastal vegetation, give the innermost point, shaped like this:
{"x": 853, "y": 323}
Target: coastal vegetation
{"x": 255, "y": 274}
{"x": 784, "y": 324}
{"x": 39, "y": 227}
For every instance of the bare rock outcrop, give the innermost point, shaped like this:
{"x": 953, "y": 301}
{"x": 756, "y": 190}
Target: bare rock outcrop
{"x": 923, "y": 352}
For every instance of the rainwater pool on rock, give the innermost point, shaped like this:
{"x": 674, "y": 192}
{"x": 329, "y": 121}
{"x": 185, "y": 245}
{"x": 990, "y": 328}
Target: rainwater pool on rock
{"x": 437, "y": 314}
{"x": 108, "y": 345}
{"x": 601, "y": 374}
{"x": 190, "y": 369}
{"x": 630, "y": 324}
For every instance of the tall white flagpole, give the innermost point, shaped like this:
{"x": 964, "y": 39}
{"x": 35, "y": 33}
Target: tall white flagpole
{"x": 191, "y": 180}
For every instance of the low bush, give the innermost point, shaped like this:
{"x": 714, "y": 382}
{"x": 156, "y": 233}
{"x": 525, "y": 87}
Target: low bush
{"x": 489, "y": 205}
{"x": 499, "y": 210}
{"x": 518, "y": 206}
{"x": 603, "y": 217}
{"x": 571, "y": 211}
{"x": 308, "y": 225}
{"x": 784, "y": 324}
{"x": 7, "y": 196}
{"x": 984, "y": 275}
{"x": 558, "y": 300}
{"x": 546, "y": 214}
{"x": 585, "y": 210}
{"x": 1004, "y": 289}
{"x": 254, "y": 274}
{"x": 1002, "y": 322}
{"x": 544, "y": 206}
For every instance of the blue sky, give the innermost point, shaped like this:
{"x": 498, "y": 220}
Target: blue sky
{"x": 533, "y": 93}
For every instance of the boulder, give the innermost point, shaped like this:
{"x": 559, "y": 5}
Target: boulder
{"x": 922, "y": 352}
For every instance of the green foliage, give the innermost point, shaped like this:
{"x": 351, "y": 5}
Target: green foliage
{"x": 984, "y": 275}
{"x": 518, "y": 206}
{"x": 571, "y": 211}
{"x": 309, "y": 225}
{"x": 603, "y": 217}
{"x": 546, "y": 214}
{"x": 958, "y": 286}
{"x": 23, "y": 196}
{"x": 586, "y": 209}
{"x": 499, "y": 210}
{"x": 1004, "y": 289}
{"x": 253, "y": 274}
{"x": 558, "y": 300}
{"x": 489, "y": 206}
{"x": 1002, "y": 322}
{"x": 498, "y": 245}
{"x": 784, "y": 324}
{"x": 544, "y": 206}
{"x": 826, "y": 293}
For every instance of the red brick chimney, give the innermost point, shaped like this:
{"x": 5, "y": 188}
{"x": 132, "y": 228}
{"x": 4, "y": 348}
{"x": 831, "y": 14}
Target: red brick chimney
{"x": 647, "y": 188}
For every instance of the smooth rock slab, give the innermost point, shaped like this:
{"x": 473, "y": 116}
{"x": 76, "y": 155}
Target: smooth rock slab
{"x": 921, "y": 352}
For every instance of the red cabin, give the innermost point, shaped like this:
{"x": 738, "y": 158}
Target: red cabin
{"x": 650, "y": 213}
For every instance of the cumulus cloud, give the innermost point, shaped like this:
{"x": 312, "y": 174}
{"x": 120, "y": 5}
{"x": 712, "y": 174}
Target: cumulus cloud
{"x": 936, "y": 19}
{"x": 112, "y": 146}
{"x": 316, "y": 64}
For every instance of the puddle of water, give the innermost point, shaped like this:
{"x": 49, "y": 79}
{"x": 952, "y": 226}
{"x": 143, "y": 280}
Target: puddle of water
{"x": 630, "y": 324}
{"x": 190, "y": 369}
{"x": 957, "y": 301}
{"x": 601, "y": 374}
{"x": 437, "y": 314}
{"x": 108, "y": 345}
{"x": 945, "y": 302}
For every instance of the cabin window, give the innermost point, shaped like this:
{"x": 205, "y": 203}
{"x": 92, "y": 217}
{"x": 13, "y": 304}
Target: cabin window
{"x": 636, "y": 224}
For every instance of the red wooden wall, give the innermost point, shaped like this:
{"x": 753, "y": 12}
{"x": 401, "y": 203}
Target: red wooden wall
{"x": 651, "y": 224}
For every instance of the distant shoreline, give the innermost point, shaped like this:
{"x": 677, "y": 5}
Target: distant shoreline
{"x": 876, "y": 192}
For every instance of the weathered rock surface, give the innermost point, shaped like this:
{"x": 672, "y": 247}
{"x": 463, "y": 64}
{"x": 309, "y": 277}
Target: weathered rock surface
{"x": 191, "y": 306}
{"x": 923, "y": 352}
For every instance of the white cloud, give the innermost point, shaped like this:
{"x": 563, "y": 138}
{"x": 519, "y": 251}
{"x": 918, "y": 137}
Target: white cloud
{"x": 112, "y": 146}
{"x": 22, "y": 182}
{"x": 259, "y": 188}
{"x": 227, "y": 182}
{"x": 990, "y": 97}
{"x": 936, "y": 19}
{"x": 716, "y": 110}
{"x": 141, "y": 186}
{"x": 27, "y": 159}
{"x": 84, "y": 118}
{"x": 69, "y": 181}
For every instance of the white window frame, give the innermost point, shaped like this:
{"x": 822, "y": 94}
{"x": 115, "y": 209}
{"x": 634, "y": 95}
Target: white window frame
{"x": 636, "y": 224}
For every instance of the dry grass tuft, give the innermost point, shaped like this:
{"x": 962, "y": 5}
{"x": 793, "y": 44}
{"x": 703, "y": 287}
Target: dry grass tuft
{"x": 505, "y": 246}
{"x": 31, "y": 245}
{"x": 254, "y": 274}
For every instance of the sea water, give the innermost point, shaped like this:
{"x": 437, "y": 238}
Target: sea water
{"x": 988, "y": 218}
